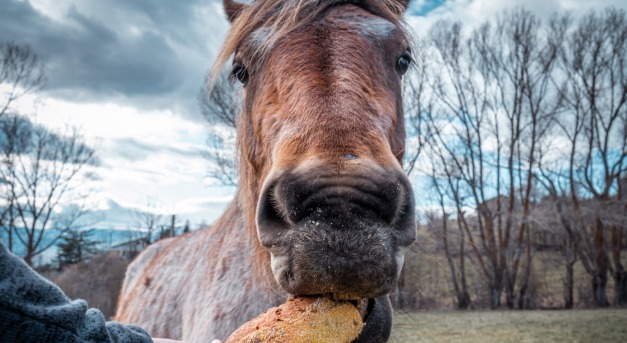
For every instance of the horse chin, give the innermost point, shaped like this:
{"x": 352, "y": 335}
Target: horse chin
{"x": 323, "y": 258}
{"x": 378, "y": 320}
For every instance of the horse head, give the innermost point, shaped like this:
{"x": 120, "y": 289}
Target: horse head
{"x": 321, "y": 141}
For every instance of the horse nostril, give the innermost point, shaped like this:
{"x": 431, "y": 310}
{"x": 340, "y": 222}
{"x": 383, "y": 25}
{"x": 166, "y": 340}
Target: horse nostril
{"x": 294, "y": 198}
{"x": 319, "y": 227}
{"x": 272, "y": 221}
{"x": 270, "y": 214}
{"x": 297, "y": 196}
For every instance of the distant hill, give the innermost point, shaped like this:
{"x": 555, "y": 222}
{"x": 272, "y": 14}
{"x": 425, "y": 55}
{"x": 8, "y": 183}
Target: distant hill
{"x": 114, "y": 223}
{"x": 106, "y": 237}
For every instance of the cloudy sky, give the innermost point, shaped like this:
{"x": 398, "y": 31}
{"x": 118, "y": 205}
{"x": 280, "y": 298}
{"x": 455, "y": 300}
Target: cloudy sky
{"x": 128, "y": 73}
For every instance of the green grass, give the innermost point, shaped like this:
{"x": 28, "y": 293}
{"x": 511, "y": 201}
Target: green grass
{"x": 587, "y": 326}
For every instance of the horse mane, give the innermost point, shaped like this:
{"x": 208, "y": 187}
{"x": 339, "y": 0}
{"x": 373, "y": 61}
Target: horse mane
{"x": 281, "y": 17}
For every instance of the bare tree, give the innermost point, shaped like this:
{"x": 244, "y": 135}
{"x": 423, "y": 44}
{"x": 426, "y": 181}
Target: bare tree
{"x": 522, "y": 63}
{"x": 40, "y": 168}
{"x": 453, "y": 244}
{"x": 594, "y": 66}
{"x": 559, "y": 218}
{"x": 494, "y": 105}
{"x": 418, "y": 104}
{"x": 15, "y": 131}
{"x": 21, "y": 73}
{"x": 220, "y": 105}
{"x": 556, "y": 213}
{"x": 43, "y": 175}
{"x": 170, "y": 230}
{"x": 516, "y": 110}
{"x": 148, "y": 219}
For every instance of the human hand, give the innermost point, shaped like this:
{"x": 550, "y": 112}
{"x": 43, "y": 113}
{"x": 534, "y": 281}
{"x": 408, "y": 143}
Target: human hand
{"x": 165, "y": 340}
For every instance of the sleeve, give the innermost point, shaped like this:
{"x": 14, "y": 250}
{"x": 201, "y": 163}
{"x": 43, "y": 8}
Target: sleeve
{"x": 32, "y": 309}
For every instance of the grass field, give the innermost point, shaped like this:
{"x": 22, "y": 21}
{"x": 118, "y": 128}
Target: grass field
{"x": 589, "y": 326}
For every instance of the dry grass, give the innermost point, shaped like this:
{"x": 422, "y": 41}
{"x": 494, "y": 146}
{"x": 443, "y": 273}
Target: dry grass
{"x": 427, "y": 284}
{"x": 97, "y": 281}
{"x": 512, "y": 326}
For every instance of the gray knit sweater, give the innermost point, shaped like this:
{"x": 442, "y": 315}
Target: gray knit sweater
{"x": 33, "y": 309}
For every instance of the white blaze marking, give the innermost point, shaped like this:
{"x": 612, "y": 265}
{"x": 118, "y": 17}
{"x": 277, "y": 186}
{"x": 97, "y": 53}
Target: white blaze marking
{"x": 376, "y": 28}
{"x": 259, "y": 36}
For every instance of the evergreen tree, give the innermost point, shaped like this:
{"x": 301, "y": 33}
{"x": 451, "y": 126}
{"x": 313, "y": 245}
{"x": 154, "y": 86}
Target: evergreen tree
{"x": 75, "y": 246}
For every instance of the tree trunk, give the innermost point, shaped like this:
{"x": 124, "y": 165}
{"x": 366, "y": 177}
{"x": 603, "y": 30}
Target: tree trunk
{"x": 599, "y": 279}
{"x": 568, "y": 285}
{"x": 521, "y": 297}
{"x": 510, "y": 297}
{"x": 10, "y": 238}
{"x": 523, "y": 301}
{"x": 620, "y": 287}
{"x": 599, "y": 284}
{"x": 619, "y": 273}
{"x": 28, "y": 259}
{"x": 495, "y": 297}
{"x": 463, "y": 300}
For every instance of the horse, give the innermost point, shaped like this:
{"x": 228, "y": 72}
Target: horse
{"x": 323, "y": 207}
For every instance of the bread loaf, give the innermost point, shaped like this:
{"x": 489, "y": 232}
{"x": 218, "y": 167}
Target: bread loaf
{"x": 303, "y": 320}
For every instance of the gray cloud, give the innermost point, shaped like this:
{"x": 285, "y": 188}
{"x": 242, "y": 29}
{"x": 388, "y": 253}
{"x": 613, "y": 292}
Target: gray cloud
{"x": 151, "y": 54}
{"x": 135, "y": 150}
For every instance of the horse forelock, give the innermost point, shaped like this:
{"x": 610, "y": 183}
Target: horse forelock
{"x": 277, "y": 18}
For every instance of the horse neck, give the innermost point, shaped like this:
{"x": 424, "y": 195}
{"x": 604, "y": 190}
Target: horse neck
{"x": 237, "y": 226}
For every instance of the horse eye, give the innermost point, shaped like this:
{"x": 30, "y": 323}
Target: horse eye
{"x": 403, "y": 63}
{"x": 239, "y": 71}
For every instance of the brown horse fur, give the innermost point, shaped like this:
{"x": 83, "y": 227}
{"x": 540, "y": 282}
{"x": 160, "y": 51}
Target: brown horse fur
{"x": 322, "y": 115}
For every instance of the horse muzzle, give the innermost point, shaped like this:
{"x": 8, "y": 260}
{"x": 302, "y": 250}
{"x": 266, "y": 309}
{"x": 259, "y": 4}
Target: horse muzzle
{"x": 338, "y": 234}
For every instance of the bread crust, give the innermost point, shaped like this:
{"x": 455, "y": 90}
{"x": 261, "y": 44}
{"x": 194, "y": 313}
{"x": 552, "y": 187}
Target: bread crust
{"x": 303, "y": 320}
